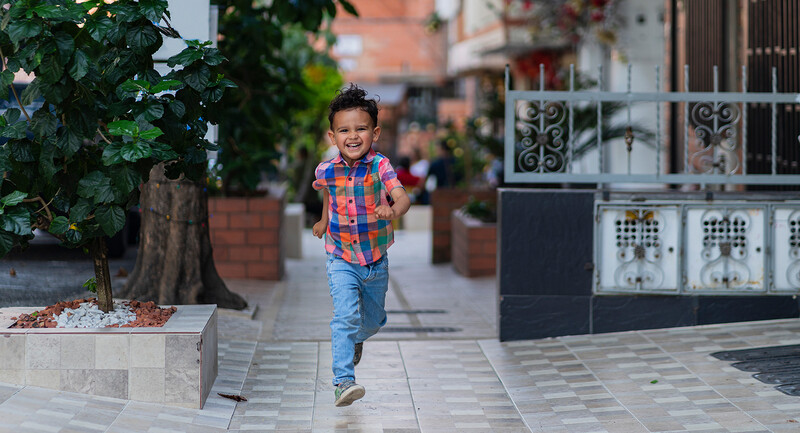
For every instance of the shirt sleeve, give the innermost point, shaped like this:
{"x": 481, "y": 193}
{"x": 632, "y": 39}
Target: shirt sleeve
{"x": 388, "y": 175}
{"x": 321, "y": 181}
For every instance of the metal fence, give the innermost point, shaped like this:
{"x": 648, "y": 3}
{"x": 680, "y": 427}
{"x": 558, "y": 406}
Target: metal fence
{"x": 543, "y": 144}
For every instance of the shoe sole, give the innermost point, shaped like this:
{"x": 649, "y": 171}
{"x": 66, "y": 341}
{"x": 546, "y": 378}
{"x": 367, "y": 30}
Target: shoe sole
{"x": 348, "y": 397}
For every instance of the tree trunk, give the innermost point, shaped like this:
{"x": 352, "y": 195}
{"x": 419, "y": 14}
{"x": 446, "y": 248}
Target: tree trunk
{"x": 101, "y": 275}
{"x": 174, "y": 264}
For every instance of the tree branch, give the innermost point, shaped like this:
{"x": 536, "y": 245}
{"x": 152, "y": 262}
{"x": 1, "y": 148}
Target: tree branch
{"x": 13, "y": 90}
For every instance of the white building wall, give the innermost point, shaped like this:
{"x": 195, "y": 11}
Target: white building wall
{"x": 642, "y": 44}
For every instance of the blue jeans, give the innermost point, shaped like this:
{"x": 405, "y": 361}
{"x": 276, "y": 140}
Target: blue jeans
{"x": 359, "y": 296}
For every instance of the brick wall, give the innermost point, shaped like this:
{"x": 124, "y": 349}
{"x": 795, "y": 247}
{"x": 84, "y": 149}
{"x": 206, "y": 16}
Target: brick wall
{"x": 246, "y": 235}
{"x": 474, "y": 247}
{"x": 443, "y": 202}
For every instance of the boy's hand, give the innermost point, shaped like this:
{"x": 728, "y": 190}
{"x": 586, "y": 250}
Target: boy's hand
{"x": 320, "y": 228}
{"x": 384, "y": 212}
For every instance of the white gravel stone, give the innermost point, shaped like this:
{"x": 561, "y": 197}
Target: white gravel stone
{"x": 89, "y": 315}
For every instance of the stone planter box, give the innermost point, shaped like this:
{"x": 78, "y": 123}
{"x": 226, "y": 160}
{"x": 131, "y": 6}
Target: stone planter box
{"x": 443, "y": 202}
{"x": 474, "y": 247}
{"x": 175, "y": 364}
{"x": 247, "y": 235}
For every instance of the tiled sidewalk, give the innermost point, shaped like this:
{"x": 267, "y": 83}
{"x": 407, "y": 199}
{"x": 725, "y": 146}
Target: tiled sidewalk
{"x": 461, "y": 381}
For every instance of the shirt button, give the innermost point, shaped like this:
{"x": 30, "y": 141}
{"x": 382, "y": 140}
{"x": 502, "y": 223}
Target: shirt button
{"x": 349, "y": 178}
{"x": 351, "y": 200}
{"x": 352, "y": 221}
{"x": 355, "y": 242}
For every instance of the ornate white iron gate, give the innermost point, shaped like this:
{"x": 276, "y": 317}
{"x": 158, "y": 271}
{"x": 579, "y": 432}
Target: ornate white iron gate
{"x": 684, "y": 247}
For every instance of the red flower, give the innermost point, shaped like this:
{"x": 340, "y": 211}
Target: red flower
{"x": 597, "y": 15}
{"x": 599, "y": 3}
{"x": 570, "y": 11}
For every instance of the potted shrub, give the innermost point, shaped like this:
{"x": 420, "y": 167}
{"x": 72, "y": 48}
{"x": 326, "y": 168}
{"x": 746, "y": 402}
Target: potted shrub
{"x": 272, "y": 61}
{"x": 474, "y": 243}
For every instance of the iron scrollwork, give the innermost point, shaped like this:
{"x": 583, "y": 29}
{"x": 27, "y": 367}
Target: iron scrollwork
{"x": 725, "y": 249}
{"x": 715, "y": 127}
{"x": 639, "y": 249}
{"x": 543, "y": 144}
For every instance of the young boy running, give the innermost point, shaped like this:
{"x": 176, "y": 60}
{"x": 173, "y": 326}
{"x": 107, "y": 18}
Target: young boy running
{"x": 356, "y": 218}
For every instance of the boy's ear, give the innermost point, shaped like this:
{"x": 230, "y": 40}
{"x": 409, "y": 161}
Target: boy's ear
{"x": 376, "y": 133}
{"x": 330, "y": 136}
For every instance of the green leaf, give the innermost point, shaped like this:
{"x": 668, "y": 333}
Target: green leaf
{"x": 21, "y": 151}
{"x": 126, "y": 178}
{"x": 110, "y": 218}
{"x": 51, "y": 70}
{"x": 16, "y": 220}
{"x": 162, "y": 152}
{"x": 6, "y": 78}
{"x": 135, "y": 86}
{"x": 212, "y": 56}
{"x": 124, "y": 127}
{"x": 59, "y": 225}
{"x": 13, "y": 199}
{"x": 73, "y": 235}
{"x": 148, "y": 111}
{"x": 65, "y": 44}
{"x": 46, "y": 166}
{"x": 21, "y": 29}
{"x": 153, "y": 9}
{"x": 151, "y": 134}
{"x": 68, "y": 142}
{"x": 48, "y": 11}
{"x": 198, "y": 79}
{"x": 98, "y": 27}
{"x": 111, "y": 154}
{"x": 166, "y": 85}
{"x": 185, "y": 57}
{"x": 135, "y": 151}
{"x": 80, "y": 211}
{"x": 91, "y": 285}
{"x": 6, "y": 242}
{"x": 141, "y": 37}
{"x": 15, "y": 130}
{"x": 195, "y": 155}
{"x": 96, "y": 186}
{"x": 79, "y": 65}
{"x": 12, "y": 115}
{"x": 31, "y": 93}
{"x": 178, "y": 108}
{"x": 43, "y": 123}
{"x": 213, "y": 94}
{"x": 349, "y": 7}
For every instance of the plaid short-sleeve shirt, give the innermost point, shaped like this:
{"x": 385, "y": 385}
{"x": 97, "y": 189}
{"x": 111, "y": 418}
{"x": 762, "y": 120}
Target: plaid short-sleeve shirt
{"x": 354, "y": 232}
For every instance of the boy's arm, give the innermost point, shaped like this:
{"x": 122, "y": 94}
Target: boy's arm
{"x": 321, "y": 227}
{"x": 400, "y": 207}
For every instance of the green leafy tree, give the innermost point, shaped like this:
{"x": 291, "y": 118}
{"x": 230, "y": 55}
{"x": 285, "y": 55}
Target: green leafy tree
{"x": 73, "y": 167}
{"x": 269, "y": 45}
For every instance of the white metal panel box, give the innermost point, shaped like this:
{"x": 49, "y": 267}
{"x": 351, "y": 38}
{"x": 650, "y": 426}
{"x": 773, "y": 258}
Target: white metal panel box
{"x": 637, "y": 248}
{"x": 725, "y": 249}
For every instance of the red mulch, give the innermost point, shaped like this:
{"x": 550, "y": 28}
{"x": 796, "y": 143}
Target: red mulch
{"x": 148, "y": 314}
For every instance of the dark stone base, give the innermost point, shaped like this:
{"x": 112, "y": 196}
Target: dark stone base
{"x": 545, "y": 277}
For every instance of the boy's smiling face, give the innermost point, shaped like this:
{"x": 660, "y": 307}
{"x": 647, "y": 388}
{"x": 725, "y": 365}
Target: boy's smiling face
{"x": 353, "y": 133}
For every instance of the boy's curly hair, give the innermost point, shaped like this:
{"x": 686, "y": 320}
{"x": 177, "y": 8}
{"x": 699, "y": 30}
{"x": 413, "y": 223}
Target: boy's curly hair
{"x": 353, "y": 97}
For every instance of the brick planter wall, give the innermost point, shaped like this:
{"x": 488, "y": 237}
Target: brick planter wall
{"x": 246, "y": 235}
{"x": 474, "y": 247}
{"x": 443, "y": 203}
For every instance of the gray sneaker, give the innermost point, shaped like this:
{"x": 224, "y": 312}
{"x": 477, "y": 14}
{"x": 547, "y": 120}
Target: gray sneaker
{"x": 357, "y": 354}
{"x": 347, "y": 392}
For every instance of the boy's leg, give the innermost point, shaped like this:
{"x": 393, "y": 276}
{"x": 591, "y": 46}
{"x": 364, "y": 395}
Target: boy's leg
{"x": 373, "y": 299}
{"x": 343, "y": 281}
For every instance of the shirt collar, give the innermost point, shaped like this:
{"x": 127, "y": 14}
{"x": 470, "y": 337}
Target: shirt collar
{"x": 366, "y": 159}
